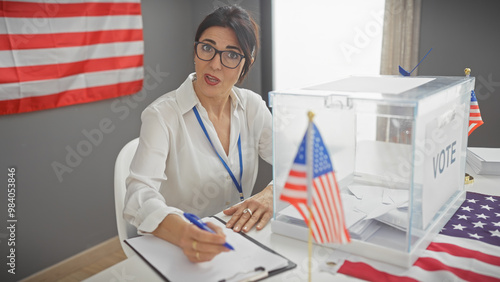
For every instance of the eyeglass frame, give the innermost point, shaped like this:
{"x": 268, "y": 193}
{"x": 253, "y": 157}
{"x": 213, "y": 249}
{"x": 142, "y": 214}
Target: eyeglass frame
{"x": 196, "y": 43}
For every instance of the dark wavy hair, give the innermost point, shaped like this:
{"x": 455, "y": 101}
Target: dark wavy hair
{"x": 244, "y": 26}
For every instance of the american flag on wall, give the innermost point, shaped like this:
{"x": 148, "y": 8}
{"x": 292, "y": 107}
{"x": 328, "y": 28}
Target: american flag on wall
{"x": 467, "y": 249}
{"x": 60, "y": 53}
{"x": 328, "y": 221}
{"x": 475, "y": 119}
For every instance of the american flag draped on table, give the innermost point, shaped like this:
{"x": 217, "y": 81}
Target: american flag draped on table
{"x": 60, "y": 53}
{"x": 467, "y": 249}
{"x": 327, "y": 222}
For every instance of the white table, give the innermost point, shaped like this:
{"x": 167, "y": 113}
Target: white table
{"x": 135, "y": 269}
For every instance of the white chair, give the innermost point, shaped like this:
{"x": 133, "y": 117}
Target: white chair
{"x": 122, "y": 170}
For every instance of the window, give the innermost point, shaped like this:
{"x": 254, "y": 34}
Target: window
{"x": 317, "y": 41}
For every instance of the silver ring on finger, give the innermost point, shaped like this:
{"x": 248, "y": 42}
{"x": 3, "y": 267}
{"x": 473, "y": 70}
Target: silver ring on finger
{"x": 247, "y": 210}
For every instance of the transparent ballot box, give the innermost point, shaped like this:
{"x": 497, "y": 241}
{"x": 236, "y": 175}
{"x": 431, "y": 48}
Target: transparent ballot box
{"x": 398, "y": 150}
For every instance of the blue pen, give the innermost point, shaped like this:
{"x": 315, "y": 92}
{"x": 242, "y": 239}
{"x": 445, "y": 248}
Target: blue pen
{"x": 197, "y": 221}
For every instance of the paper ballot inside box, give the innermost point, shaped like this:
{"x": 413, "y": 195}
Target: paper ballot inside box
{"x": 381, "y": 163}
{"x": 386, "y": 205}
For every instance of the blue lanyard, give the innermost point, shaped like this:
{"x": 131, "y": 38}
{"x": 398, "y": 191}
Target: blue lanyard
{"x": 238, "y": 185}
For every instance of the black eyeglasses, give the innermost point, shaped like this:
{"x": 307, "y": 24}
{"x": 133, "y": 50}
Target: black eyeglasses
{"x": 207, "y": 52}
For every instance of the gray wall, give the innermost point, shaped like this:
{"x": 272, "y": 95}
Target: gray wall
{"x": 58, "y": 218}
{"x": 464, "y": 34}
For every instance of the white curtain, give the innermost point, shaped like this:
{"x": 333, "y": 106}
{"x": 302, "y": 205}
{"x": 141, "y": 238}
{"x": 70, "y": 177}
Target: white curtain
{"x": 401, "y": 36}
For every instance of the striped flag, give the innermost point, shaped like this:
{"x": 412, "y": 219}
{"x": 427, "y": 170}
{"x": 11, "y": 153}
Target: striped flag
{"x": 60, "y": 53}
{"x": 475, "y": 119}
{"x": 467, "y": 249}
{"x": 327, "y": 221}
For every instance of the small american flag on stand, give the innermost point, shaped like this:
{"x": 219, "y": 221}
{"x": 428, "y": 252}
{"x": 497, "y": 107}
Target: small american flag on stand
{"x": 475, "y": 119}
{"x": 327, "y": 220}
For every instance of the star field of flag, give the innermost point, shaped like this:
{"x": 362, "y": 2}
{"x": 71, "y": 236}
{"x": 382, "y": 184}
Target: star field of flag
{"x": 478, "y": 219}
{"x": 321, "y": 160}
{"x": 467, "y": 249}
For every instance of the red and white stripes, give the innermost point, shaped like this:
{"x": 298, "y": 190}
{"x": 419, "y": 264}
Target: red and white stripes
{"x": 447, "y": 258}
{"x": 64, "y": 53}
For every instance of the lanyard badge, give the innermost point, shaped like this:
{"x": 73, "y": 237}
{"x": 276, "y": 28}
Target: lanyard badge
{"x": 238, "y": 185}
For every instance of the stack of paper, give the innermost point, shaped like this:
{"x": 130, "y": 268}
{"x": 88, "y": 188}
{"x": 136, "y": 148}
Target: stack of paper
{"x": 484, "y": 160}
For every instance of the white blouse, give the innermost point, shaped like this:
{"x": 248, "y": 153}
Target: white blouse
{"x": 176, "y": 170}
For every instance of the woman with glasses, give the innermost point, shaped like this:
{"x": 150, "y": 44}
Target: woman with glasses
{"x": 199, "y": 145}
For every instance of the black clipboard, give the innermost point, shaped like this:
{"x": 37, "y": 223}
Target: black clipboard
{"x": 259, "y": 273}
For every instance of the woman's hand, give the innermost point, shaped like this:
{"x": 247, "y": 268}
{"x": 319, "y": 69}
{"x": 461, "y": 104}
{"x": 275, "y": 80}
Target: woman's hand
{"x": 198, "y": 245}
{"x": 256, "y": 210}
